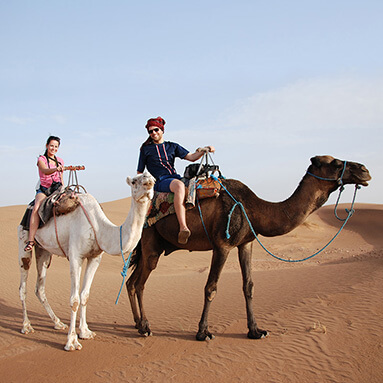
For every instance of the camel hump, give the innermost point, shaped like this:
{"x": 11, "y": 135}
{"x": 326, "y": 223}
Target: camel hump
{"x": 67, "y": 202}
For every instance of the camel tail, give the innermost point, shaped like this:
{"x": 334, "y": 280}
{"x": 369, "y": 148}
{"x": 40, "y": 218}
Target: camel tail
{"x": 136, "y": 256}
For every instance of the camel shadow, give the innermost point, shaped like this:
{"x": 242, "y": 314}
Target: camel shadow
{"x": 8, "y": 325}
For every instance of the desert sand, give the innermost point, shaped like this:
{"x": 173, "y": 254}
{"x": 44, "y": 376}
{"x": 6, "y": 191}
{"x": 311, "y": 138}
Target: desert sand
{"x": 323, "y": 315}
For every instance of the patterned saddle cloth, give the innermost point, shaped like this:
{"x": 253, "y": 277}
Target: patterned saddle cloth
{"x": 163, "y": 203}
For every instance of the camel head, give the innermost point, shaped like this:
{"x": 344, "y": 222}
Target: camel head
{"x": 142, "y": 187}
{"x": 343, "y": 172}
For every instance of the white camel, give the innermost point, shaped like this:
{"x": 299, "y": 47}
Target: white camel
{"x": 81, "y": 240}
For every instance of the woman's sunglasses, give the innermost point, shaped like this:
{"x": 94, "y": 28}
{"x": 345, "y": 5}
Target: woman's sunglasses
{"x": 153, "y": 130}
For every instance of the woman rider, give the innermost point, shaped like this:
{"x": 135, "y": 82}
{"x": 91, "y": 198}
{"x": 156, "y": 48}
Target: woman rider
{"x": 51, "y": 178}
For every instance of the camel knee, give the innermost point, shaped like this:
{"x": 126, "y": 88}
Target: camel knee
{"x": 40, "y": 294}
{"x": 211, "y": 295}
{"x": 210, "y": 292}
{"x": 130, "y": 288}
{"x": 152, "y": 262}
{"x": 248, "y": 290}
{"x": 26, "y": 262}
{"x": 22, "y": 293}
{"x": 84, "y": 299}
{"x": 74, "y": 303}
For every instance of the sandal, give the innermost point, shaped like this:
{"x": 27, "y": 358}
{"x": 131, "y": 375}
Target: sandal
{"x": 183, "y": 236}
{"x": 29, "y": 246}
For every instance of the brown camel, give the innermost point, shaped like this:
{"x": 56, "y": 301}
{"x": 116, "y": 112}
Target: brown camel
{"x": 267, "y": 218}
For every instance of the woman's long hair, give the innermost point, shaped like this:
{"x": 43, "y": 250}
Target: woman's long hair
{"x": 52, "y": 138}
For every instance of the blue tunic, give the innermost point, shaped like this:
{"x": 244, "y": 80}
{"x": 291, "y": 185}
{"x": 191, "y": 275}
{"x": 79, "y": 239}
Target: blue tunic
{"x": 159, "y": 158}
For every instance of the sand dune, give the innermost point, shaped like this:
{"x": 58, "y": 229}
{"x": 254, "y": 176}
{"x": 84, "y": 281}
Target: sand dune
{"x": 323, "y": 315}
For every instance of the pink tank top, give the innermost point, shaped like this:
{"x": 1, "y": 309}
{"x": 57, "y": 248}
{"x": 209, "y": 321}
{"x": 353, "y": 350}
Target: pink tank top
{"x": 46, "y": 180}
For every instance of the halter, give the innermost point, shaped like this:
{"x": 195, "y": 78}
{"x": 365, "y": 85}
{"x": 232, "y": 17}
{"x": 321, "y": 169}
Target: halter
{"x": 340, "y": 183}
{"x": 338, "y": 180}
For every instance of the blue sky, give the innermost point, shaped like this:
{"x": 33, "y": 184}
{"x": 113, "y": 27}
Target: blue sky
{"x": 268, "y": 83}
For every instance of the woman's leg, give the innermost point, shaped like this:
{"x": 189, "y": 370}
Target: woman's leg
{"x": 178, "y": 188}
{"x": 35, "y": 219}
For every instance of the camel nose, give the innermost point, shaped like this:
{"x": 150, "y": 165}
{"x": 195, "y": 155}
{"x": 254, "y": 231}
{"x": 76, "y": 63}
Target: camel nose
{"x": 148, "y": 183}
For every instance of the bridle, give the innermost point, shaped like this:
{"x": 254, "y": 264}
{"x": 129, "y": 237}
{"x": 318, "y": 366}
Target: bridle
{"x": 338, "y": 180}
{"x": 340, "y": 183}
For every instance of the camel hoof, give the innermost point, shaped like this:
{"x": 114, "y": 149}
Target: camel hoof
{"x": 76, "y": 345}
{"x": 88, "y": 335}
{"x": 144, "y": 329}
{"x": 257, "y": 334}
{"x": 27, "y": 328}
{"x": 60, "y": 326}
{"x": 145, "y": 334}
{"x": 204, "y": 336}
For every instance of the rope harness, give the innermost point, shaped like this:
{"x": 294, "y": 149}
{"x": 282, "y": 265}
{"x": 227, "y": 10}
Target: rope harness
{"x": 126, "y": 266}
{"x": 339, "y": 180}
{"x": 74, "y": 187}
{"x": 90, "y": 222}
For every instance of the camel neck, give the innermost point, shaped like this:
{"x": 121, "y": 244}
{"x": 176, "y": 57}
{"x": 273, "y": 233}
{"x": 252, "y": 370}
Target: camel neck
{"x": 279, "y": 218}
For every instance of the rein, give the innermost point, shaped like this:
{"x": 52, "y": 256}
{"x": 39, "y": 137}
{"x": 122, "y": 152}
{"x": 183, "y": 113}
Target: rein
{"x": 349, "y": 211}
{"x": 126, "y": 265}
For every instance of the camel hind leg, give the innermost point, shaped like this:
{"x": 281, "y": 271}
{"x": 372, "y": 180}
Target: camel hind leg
{"x": 25, "y": 260}
{"x": 245, "y": 256}
{"x": 218, "y": 261}
{"x": 43, "y": 260}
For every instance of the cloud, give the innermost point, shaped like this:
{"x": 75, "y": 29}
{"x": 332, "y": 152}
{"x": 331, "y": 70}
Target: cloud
{"x": 56, "y": 118}
{"x": 19, "y": 120}
{"x": 322, "y": 103}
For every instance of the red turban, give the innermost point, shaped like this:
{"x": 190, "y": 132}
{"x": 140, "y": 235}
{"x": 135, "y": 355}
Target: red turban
{"x": 159, "y": 122}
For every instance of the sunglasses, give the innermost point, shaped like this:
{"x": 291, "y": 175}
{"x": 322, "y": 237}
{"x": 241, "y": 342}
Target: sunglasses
{"x": 153, "y": 130}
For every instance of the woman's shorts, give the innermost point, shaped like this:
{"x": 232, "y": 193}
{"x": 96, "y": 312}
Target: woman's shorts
{"x": 42, "y": 189}
{"x": 163, "y": 183}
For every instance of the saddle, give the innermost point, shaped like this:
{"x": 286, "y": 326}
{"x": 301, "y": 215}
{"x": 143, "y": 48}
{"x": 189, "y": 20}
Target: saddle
{"x": 198, "y": 183}
{"x": 60, "y": 202}
{"x": 206, "y": 186}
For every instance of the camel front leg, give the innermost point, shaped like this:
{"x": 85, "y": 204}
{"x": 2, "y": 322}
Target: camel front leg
{"x": 91, "y": 268}
{"x": 148, "y": 265}
{"x": 25, "y": 260}
{"x": 131, "y": 289}
{"x": 43, "y": 260}
{"x": 218, "y": 261}
{"x": 75, "y": 273}
{"x": 245, "y": 256}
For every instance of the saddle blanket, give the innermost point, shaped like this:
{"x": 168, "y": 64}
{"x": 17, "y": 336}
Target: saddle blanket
{"x": 163, "y": 203}
{"x": 62, "y": 200}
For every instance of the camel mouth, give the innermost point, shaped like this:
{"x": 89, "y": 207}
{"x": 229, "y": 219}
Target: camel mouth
{"x": 363, "y": 183}
{"x": 145, "y": 196}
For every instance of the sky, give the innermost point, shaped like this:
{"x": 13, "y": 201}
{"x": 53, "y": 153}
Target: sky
{"x": 269, "y": 83}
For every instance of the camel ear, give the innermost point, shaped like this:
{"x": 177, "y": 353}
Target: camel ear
{"x": 316, "y": 162}
{"x": 338, "y": 163}
{"x": 129, "y": 181}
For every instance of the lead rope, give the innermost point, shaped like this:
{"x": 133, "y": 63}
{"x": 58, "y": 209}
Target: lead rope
{"x": 126, "y": 265}
{"x": 350, "y": 213}
{"x": 87, "y": 216}
{"x": 57, "y": 234}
